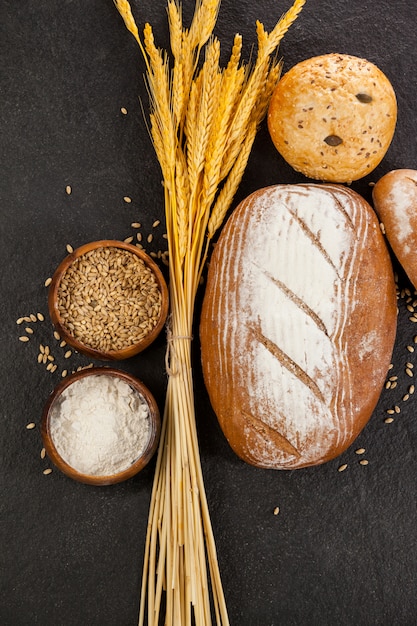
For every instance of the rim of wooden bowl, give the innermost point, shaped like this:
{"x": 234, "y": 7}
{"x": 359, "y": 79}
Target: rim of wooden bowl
{"x": 59, "y": 324}
{"x": 141, "y": 461}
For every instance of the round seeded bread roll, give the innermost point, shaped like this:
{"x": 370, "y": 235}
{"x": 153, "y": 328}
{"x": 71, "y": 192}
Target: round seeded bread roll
{"x": 332, "y": 117}
{"x": 395, "y": 200}
{"x": 298, "y": 324}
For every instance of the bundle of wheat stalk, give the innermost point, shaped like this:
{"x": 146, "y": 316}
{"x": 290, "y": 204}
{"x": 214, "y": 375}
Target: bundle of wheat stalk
{"x": 203, "y": 121}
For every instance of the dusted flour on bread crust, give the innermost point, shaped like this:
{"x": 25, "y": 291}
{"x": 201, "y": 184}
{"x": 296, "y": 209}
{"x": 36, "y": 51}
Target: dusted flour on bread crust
{"x": 298, "y": 324}
{"x": 395, "y": 201}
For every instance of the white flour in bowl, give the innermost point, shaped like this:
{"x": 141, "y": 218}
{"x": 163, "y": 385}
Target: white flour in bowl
{"x": 100, "y": 425}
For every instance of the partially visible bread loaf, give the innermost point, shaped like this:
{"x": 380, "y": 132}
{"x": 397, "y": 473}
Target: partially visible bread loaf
{"x": 298, "y": 324}
{"x": 395, "y": 201}
{"x": 332, "y": 117}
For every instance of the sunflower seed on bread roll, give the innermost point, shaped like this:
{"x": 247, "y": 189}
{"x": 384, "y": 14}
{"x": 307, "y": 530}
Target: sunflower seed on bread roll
{"x": 395, "y": 201}
{"x": 298, "y": 324}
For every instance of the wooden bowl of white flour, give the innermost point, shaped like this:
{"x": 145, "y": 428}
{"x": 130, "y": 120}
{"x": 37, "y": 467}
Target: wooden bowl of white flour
{"x": 101, "y": 426}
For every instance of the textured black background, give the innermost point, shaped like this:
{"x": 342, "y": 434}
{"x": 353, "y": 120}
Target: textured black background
{"x": 343, "y": 549}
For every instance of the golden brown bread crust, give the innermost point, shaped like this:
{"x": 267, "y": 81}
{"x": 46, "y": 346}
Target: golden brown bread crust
{"x": 298, "y": 324}
{"x": 395, "y": 201}
{"x": 332, "y": 117}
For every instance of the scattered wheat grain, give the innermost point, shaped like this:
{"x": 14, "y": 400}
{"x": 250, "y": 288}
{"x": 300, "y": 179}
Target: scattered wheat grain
{"x": 24, "y": 338}
{"x": 31, "y": 425}
{"x": 47, "y": 471}
{"x": 69, "y": 248}
{"x": 342, "y": 467}
{"x": 48, "y": 282}
{"x": 68, "y": 189}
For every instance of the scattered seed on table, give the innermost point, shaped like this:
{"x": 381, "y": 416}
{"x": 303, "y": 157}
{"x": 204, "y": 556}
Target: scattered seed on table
{"x": 67, "y": 354}
{"x": 409, "y": 372}
{"x": 31, "y": 425}
{"x": 54, "y": 368}
{"x": 50, "y": 357}
{"x": 33, "y": 317}
{"x": 393, "y": 385}
{"x": 388, "y": 420}
{"x": 24, "y": 338}
{"x": 149, "y": 238}
{"x": 139, "y": 236}
{"x": 364, "y": 462}
{"x": 48, "y": 282}
{"x": 415, "y": 339}
{"x": 49, "y": 367}
{"x": 360, "y": 451}
{"x": 388, "y": 384}
{"x": 406, "y": 397}
{"x": 20, "y": 320}
{"x": 342, "y": 468}
{"x": 68, "y": 189}
{"x": 56, "y": 335}
{"x": 128, "y": 240}
{"x": 411, "y": 365}
{"x": 41, "y": 349}
{"x": 410, "y": 348}
{"x": 397, "y": 409}
{"x": 136, "y": 224}
{"x": 127, "y": 199}
{"x": 43, "y": 453}
{"x": 40, "y": 357}
{"x": 40, "y": 317}
{"x": 411, "y": 389}
{"x": 413, "y": 318}
{"x": 47, "y": 471}
{"x": 63, "y": 343}
{"x": 390, "y": 411}
{"x": 165, "y": 236}
{"x": 64, "y": 373}
{"x": 44, "y": 358}
{"x": 29, "y": 330}
{"x": 156, "y": 223}
{"x": 123, "y": 110}
{"x": 47, "y": 350}
{"x": 69, "y": 247}
{"x": 276, "y": 510}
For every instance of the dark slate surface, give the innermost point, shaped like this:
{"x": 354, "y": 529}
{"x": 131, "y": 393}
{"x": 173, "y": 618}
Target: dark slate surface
{"x": 343, "y": 549}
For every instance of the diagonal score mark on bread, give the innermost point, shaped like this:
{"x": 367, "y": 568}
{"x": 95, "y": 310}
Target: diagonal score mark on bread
{"x": 270, "y": 434}
{"x": 286, "y": 361}
{"x": 313, "y": 238}
{"x": 297, "y": 301}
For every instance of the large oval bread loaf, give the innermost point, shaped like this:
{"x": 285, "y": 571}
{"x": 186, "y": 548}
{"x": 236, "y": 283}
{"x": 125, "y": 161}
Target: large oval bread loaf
{"x": 298, "y": 323}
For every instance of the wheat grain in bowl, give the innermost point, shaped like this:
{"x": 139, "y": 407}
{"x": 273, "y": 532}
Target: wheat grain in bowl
{"x": 108, "y": 299}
